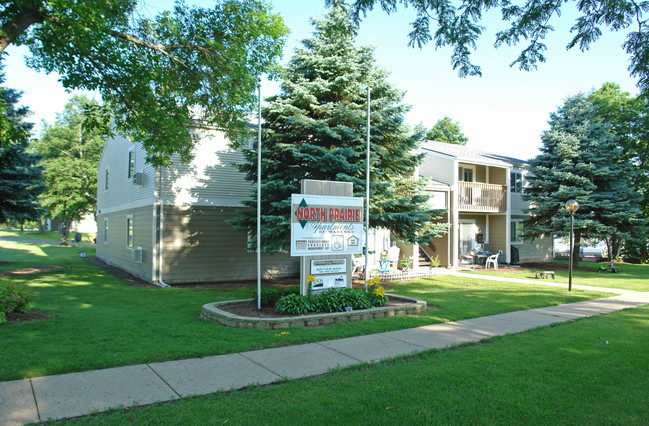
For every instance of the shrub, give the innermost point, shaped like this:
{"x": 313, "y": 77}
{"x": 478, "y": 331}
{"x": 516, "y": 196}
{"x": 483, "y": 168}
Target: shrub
{"x": 269, "y": 296}
{"x": 335, "y": 300}
{"x": 14, "y": 297}
{"x": 376, "y": 295}
{"x": 294, "y": 289}
{"x": 293, "y": 304}
{"x": 328, "y": 301}
{"x": 355, "y": 298}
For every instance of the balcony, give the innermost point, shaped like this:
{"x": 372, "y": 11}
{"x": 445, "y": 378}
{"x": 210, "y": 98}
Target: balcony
{"x": 482, "y": 197}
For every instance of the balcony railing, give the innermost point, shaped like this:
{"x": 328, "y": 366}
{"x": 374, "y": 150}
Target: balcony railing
{"x": 482, "y": 197}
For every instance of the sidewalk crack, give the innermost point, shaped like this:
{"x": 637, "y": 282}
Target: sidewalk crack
{"x": 165, "y": 382}
{"x": 38, "y": 412}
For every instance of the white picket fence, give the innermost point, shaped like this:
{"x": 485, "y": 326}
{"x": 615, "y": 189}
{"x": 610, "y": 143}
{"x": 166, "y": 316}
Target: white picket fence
{"x": 411, "y": 274}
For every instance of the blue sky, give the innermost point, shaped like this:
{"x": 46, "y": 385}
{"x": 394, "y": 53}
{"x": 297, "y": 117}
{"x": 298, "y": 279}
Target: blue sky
{"x": 504, "y": 112}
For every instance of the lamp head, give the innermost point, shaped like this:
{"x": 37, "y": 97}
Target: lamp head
{"x": 572, "y": 206}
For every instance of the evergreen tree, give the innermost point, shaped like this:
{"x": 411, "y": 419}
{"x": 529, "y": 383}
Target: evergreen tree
{"x": 20, "y": 178}
{"x": 316, "y": 129}
{"x": 446, "y": 130}
{"x": 581, "y": 159}
{"x": 71, "y": 154}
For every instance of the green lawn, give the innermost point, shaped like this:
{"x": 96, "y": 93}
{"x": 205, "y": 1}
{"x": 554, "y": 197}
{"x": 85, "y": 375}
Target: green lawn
{"x": 98, "y": 321}
{"x": 628, "y": 277}
{"x": 588, "y": 371}
{"x": 46, "y": 236}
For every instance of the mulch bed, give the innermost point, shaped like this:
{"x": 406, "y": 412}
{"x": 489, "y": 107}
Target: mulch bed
{"x": 249, "y": 309}
{"x": 31, "y": 270}
{"x": 127, "y": 277}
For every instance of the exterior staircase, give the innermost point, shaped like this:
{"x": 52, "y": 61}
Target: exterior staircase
{"x": 424, "y": 258}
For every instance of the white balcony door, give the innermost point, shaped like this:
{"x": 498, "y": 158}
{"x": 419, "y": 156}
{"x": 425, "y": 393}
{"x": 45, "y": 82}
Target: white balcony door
{"x": 467, "y": 233}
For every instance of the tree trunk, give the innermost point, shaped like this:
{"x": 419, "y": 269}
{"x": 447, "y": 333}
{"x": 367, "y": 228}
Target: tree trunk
{"x": 41, "y": 226}
{"x": 64, "y": 231}
{"x": 576, "y": 248}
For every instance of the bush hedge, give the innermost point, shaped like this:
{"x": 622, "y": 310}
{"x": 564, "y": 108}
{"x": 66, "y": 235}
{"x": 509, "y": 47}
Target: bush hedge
{"x": 333, "y": 300}
{"x": 14, "y": 298}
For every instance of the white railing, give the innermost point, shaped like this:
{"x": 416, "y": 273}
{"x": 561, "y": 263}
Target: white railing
{"x": 482, "y": 197}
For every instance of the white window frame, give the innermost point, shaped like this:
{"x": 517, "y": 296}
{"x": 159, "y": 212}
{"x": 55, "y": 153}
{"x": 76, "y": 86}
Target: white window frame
{"x": 106, "y": 224}
{"x": 512, "y": 187}
{"x": 513, "y": 232}
{"x": 130, "y": 232}
{"x": 462, "y": 170}
{"x": 130, "y": 172}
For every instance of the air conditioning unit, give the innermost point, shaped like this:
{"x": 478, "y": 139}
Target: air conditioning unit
{"x": 138, "y": 179}
{"x": 137, "y": 255}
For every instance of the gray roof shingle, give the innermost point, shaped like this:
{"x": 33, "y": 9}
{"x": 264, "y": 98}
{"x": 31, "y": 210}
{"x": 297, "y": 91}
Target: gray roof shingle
{"x": 472, "y": 155}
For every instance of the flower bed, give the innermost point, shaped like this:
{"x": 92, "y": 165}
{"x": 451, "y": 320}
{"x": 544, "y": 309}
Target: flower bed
{"x": 402, "y": 306}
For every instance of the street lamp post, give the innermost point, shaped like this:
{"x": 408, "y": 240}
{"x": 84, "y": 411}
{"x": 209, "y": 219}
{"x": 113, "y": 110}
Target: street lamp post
{"x": 572, "y": 206}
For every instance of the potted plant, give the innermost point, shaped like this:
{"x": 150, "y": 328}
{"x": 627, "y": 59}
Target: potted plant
{"x": 405, "y": 264}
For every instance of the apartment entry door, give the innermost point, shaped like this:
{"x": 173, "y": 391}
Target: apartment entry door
{"x": 467, "y": 236}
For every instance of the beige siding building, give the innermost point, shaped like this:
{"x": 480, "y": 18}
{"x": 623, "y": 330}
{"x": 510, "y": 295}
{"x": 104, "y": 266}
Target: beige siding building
{"x": 481, "y": 195}
{"x": 169, "y": 225}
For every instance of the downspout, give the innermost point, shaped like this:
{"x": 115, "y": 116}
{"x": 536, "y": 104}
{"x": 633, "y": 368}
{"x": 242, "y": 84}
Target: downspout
{"x": 160, "y": 282}
{"x": 448, "y": 229}
{"x": 508, "y": 217}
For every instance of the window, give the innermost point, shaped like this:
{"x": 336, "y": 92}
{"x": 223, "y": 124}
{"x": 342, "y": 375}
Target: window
{"x": 106, "y": 231}
{"x": 131, "y": 163}
{"x": 467, "y": 174}
{"x": 107, "y": 178}
{"x": 516, "y": 181}
{"x": 129, "y": 231}
{"x": 516, "y": 235}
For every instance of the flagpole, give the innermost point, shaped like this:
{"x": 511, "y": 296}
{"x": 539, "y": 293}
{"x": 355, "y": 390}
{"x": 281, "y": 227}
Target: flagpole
{"x": 259, "y": 201}
{"x": 367, "y": 193}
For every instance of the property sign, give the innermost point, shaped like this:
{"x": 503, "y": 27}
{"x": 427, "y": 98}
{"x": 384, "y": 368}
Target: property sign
{"x": 328, "y": 266}
{"x": 326, "y": 225}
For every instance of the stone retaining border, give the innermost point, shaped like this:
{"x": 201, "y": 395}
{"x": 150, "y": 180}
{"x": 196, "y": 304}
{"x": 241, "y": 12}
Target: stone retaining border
{"x": 211, "y": 312}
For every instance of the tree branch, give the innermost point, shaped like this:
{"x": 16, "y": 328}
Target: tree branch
{"x": 18, "y": 25}
{"x": 161, "y": 48}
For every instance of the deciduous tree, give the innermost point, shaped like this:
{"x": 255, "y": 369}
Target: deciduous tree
{"x": 628, "y": 117}
{"x": 458, "y": 24}
{"x": 447, "y": 130}
{"x": 71, "y": 154}
{"x": 163, "y": 76}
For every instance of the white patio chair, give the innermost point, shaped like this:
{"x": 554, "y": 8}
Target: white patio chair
{"x": 493, "y": 259}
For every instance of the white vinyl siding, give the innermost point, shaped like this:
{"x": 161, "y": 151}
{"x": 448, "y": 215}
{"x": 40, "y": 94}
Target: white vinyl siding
{"x": 211, "y": 179}
{"x": 123, "y": 192}
{"x": 437, "y": 168}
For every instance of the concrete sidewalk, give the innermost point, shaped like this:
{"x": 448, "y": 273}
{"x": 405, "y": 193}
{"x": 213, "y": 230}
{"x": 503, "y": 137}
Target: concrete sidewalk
{"x": 76, "y": 394}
